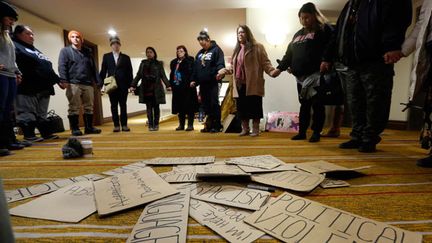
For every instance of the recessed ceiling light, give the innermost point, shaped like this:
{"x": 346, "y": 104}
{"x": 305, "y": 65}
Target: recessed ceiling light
{"x": 112, "y": 32}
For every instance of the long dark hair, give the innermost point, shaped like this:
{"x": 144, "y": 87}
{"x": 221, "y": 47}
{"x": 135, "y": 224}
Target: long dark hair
{"x": 250, "y": 39}
{"x": 19, "y": 29}
{"x": 310, "y": 8}
{"x": 154, "y": 51}
{"x": 184, "y": 49}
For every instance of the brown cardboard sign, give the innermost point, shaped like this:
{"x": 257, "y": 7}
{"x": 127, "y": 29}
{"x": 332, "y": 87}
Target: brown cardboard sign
{"x": 283, "y": 167}
{"x": 126, "y": 169}
{"x": 164, "y": 220}
{"x": 68, "y": 204}
{"x": 220, "y": 170}
{"x": 321, "y": 166}
{"x": 179, "y": 177}
{"x": 181, "y": 160}
{"x": 329, "y": 183}
{"x": 295, "y": 219}
{"x": 230, "y": 195}
{"x": 124, "y": 191}
{"x": 260, "y": 161}
{"x": 291, "y": 180}
{"x": 226, "y": 221}
{"x": 39, "y": 189}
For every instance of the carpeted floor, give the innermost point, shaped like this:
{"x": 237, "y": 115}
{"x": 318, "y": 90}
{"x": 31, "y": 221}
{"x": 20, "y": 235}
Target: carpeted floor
{"x": 394, "y": 191}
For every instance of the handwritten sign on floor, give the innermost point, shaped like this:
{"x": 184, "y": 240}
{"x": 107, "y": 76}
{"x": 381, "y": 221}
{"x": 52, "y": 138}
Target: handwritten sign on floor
{"x": 230, "y": 195}
{"x": 226, "y": 221}
{"x": 124, "y": 191}
{"x": 283, "y": 167}
{"x": 69, "y": 204}
{"x": 181, "y": 160}
{"x": 126, "y": 169}
{"x": 295, "y": 219}
{"x": 260, "y": 161}
{"x": 164, "y": 220}
{"x": 321, "y": 166}
{"x": 291, "y": 180}
{"x": 39, "y": 189}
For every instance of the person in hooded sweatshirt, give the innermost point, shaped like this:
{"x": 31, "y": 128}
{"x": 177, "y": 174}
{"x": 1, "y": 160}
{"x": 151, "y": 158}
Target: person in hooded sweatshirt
{"x": 208, "y": 71}
{"x": 38, "y": 78}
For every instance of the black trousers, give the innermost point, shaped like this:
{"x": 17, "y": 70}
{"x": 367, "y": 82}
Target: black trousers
{"x": 119, "y": 98}
{"x": 318, "y": 116}
{"x": 153, "y": 113}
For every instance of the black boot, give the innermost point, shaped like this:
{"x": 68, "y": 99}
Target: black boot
{"x": 74, "y": 125}
{"x": 12, "y": 142}
{"x": 425, "y": 162}
{"x": 182, "y": 119}
{"x": 89, "y": 128}
{"x": 45, "y": 130}
{"x": 28, "y": 129}
{"x": 4, "y": 140}
{"x": 191, "y": 118}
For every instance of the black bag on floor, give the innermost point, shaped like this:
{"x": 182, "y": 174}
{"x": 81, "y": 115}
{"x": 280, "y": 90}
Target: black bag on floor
{"x": 330, "y": 89}
{"x": 54, "y": 122}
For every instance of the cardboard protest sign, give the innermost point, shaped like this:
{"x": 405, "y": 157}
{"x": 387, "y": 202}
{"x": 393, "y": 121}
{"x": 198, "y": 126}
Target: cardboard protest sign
{"x": 283, "y": 167}
{"x": 321, "y": 166}
{"x": 220, "y": 170}
{"x": 126, "y": 169}
{"x": 230, "y": 195}
{"x": 292, "y": 180}
{"x": 226, "y": 221}
{"x": 68, "y": 204}
{"x": 295, "y": 219}
{"x": 181, "y": 160}
{"x": 329, "y": 183}
{"x": 164, "y": 220}
{"x": 260, "y": 161}
{"x": 124, "y": 191}
{"x": 39, "y": 189}
{"x": 180, "y": 174}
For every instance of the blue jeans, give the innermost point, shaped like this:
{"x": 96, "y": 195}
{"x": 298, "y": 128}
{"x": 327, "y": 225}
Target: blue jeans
{"x": 8, "y": 89}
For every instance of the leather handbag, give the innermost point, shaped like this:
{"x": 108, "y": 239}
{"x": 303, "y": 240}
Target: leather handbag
{"x": 54, "y": 122}
{"x": 110, "y": 84}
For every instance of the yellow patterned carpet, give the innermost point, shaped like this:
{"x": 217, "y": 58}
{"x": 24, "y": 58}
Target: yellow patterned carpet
{"x": 394, "y": 191}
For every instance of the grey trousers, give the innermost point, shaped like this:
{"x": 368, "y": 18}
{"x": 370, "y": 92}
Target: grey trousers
{"x": 31, "y": 108}
{"x": 368, "y": 90}
{"x": 77, "y": 94}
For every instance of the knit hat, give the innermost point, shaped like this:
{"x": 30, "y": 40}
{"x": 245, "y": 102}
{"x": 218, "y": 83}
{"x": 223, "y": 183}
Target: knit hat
{"x": 7, "y": 10}
{"x": 114, "y": 39}
{"x": 75, "y": 32}
{"x": 203, "y": 35}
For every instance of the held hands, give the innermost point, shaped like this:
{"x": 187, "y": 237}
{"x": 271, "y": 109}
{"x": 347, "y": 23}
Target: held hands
{"x": 18, "y": 78}
{"x": 325, "y": 67}
{"x": 131, "y": 89}
{"x": 275, "y": 73}
{"x": 221, "y": 74}
{"x": 393, "y": 57}
{"x": 168, "y": 88}
{"x": 192, "y": 84}
{"x": 63, "y": 84}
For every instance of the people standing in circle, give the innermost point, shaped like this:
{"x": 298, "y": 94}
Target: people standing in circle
{"x": 208, "y": 72}
{"x": 38, "y": 78}
{"x": 306, "y": 59}
{"x": 249, "y": 62}
{"x": 119, "y": 65}
{"x": 10, "y": 77}
{"x": 151, "y": 91}
{"x": 184, "y": 97}
{"x": 79, "y": 74}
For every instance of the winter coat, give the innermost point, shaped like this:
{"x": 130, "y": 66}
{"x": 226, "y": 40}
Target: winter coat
{"x": 256, "y": 62}
{"x": 416, "y": 41}
{"x": 184, "y": 99}
{"x": 207, "y": 64}
{"x": 152, "y": 74}
{"x": 122, "y": 71}
{"x": 38, "y": 75}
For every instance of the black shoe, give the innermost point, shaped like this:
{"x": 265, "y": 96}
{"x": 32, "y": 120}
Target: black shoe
{"x": 190, "y": 128}
{"x": 25, "y": 143}
{"x": 367, "y": 148}
{"x": 204, "y": 130}
{"x": 92, "y": 130}
{"x": 116, "y": 129}
{"x": 125, "y": 129}
{"x": 351, "y": 144}
{"x": 33, "y": 139}
{"x": 180, "y": 128}
{"x": 300, "y": 136}
{"x": 314, "y": 138}
{"x": 15, "y": 146}
{"x": 4, "y": 152}
{"x": 214, "y": 130}
{"x": 425, "y": 162}
{"x": 76, "y": 132}
{"x": 51, "y": 137}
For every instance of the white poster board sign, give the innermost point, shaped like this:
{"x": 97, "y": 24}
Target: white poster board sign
{"x": 230, "y": 195}
{"x": 291, "y": 180}
{"x": 68, "y": 204}
{"x": 39, "y": 189}
{"x": 181, "y": 160}
{"x": 126, "y": 169}
{"x": 124, "y": 191}
{"x": 259, "y": 161}
{"x": 164, "y": 220}
{"x": 226, "y": 221}
{"x": 295, "y": 219}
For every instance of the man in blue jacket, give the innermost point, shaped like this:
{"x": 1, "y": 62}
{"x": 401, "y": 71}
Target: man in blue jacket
{"x": 208, "y": 72}
{"x": 78, "y": 74}
{"x": 367, "y": 43}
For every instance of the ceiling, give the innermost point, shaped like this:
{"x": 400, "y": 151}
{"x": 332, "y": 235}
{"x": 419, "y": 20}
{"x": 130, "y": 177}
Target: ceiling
{"x": 141, "y": 23}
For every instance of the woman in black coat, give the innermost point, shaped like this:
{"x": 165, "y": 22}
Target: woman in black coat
{"x": 151, "y": 91}
{"x": 185, "y": 99}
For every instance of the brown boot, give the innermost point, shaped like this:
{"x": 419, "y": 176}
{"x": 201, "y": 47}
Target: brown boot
{"x": 338, "y": 115}
{"x": 245, "y": 128}
{"x": 255, "y": 128}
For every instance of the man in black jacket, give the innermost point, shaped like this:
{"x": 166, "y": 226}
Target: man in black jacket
{"x": 78, "y": 74}
{"x": 118, "y": 65}
{"x": 367, "y": 44}
{"x": 208, "y": 72}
